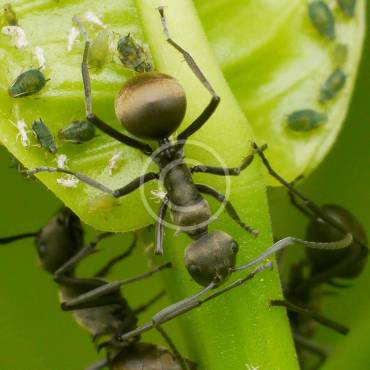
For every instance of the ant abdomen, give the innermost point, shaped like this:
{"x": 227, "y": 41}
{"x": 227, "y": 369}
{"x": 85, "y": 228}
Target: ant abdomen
{"x": 321, "y": 231}
{"x": 212, "y": 255}
{"x": 151, "y": 105}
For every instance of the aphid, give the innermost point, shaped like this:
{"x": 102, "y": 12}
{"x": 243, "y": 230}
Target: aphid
{"x": 347, "y": 7}
{"x": 305, "y": 120}
{"x": 44, "y": 136}
{"x": 99, "y": 305}
{"x": 115, "y": 162}
{"x": 99, "y": 49}
{"x": 332, "y": 86}
{"x": 9, "y": 15}
{"x": 27, "y": 83}
{"x": 17, "y": 34}
{"x": 340, "y": 54}
{"x": 133, "y": 55}
{"x": 322, "y": 18}
{"x": 77, "y": 132}
{"x": 152, "y": 106}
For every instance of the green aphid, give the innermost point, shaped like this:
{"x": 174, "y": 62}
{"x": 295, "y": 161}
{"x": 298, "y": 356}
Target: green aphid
{"x": 9, "y": 15}
{"x": 347, "y": 7}
{"x": 99, "y": 49}
{"x": 133, "y": 55}
{"x": 305, "y": 120}
{"x": 77, "y": 132}
{"x": 332, "y": 86}
{"x": 27, "y": 83}
{"x": 340, "y": 54}
{"x": 322, "y": 18}
{"x": 44, "y": 136}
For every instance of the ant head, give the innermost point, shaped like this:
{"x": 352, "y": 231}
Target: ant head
{"x": 321, "y": 231}
{"x": 147, "y": 356}
{"x": 211, "y": 257}
{"x": 59, "y": 240}
{"x": 151, "y": 105}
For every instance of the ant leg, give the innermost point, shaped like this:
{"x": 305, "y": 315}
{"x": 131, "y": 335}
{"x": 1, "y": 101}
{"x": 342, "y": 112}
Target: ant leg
{"x": 234, "y": 171}
{"x": 311, "y": 205}
{"x": 312, "y": 314}
{"x": 215, "y": 100}
{"x": 130, "y": 187}
{"x": 312, "y": 347}
{"x": 146, "y": 305}
{"x": 290, "y": 240}
{"x": 189, "y": 304}
{"x": 159, "y": 227}
{"x": 104, "y": 271}
{"x": 144, "y": 148}
{"x": 99, "y": 365}
{"x": 13, "y": 238}
{"x": 80, "y": 255}
{"x": 228, "y": 206}
{"x": 85, "y": 300}
{"x": 173, "y": 348}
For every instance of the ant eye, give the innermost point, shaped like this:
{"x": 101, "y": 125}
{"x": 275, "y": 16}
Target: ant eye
{"x": 42, "y": 249}
{"x": 234, "y": 247}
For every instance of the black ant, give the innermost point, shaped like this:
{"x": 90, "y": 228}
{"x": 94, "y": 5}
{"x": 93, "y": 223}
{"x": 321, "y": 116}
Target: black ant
{"x": 303, "y": 290}
{"x": 60, "y": 249}
{"x": 152, "y": 106}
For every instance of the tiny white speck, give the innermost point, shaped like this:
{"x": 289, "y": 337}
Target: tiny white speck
{"x": 251, "y": 367}
{"x": 114, "y": 162}
{"x": 158, "y": 194}
{"x": 68, "y": 182}
{"x": 92, "y": 18}
{"x": 17, "y": 34}
{"x": 61, "y": 160}
{"x": 72, "y": 36}
{"x": 39, "y": 53}
{"x": 22, "y": 132}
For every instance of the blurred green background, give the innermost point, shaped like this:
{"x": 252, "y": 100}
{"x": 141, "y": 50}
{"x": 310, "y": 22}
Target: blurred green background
{"x": 36, "y": 335}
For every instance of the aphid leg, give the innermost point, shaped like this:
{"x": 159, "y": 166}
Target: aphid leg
{"x": 138, "y": 310}
{"x": 91, "y": 298}
{"x": 130, "y": 187}
{"x": 82, "y": 254}
{"x": 96, "y": 121}
{"x": 104, "y": 271}
{"x": 159, "y": 227}
{"x": 313, "y": 347}
{"x": 188, "y": 304}
{"x": 310, "y": 204}
{"x": 204, "y": 189}
{"x": 173, "y": 347}
{"x": 290, "y": 240}
{"x": 13, "y": 238}
{"x": 221, "y": 171}
{"x": 312, "y": 314}
{"x": 102, "y": 364}
{"x": 215, "y": 100}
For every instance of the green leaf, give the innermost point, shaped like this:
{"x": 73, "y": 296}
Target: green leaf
{"x": 276, "y": 62}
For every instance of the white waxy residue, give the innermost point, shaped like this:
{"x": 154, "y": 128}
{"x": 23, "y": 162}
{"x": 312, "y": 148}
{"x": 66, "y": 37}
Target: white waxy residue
{"x": 61, "y": 160}
{"x": 17, "y": 34}
{"x": 68, "y": 181}
{"x": 72, "y": 36}
{"x": 115, "y": 162}
{"x": 39, "y": 54}
{"x": 22, "y": 133}
{"x": 92, "y": 18}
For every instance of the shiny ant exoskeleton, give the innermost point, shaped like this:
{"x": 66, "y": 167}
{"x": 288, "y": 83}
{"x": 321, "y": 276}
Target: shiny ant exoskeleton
{"x": 60, "y": 249}
{"x": 152, "y": 106}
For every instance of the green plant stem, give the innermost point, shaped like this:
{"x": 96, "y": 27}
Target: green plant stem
{"x": 237, "y": 330}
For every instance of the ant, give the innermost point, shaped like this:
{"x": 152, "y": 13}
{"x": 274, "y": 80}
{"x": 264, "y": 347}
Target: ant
{"x": 304, "y": 287}
{"x": 59, "y": 246}
{"x": 152, "y": 106}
